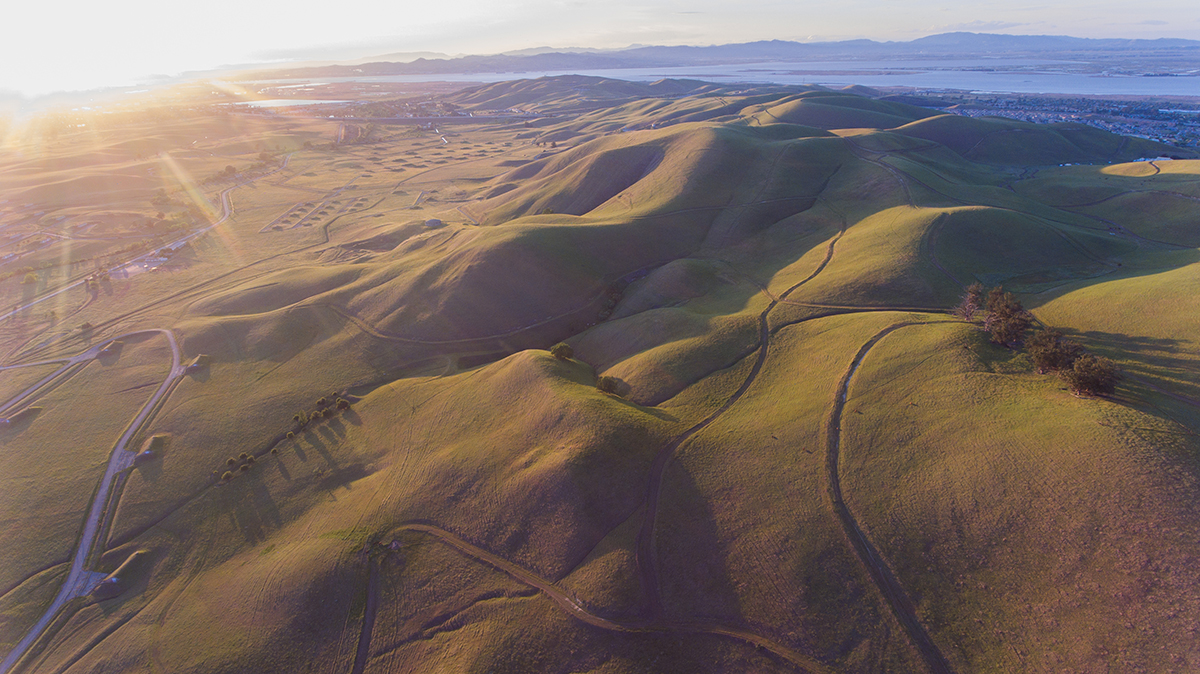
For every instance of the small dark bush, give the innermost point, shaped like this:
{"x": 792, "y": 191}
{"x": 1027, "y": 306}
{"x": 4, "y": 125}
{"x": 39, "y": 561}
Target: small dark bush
{"x": 291, "y": 435}
{"x": 250, "y": 459}
{"x": 245, "y": 467}
{"x": 243, "y": 456}
{"x": 226, "y": 476}
{"x": 562, "y": 351}
{"x": 231, "y": 461}
{"x": 343, "y": 404}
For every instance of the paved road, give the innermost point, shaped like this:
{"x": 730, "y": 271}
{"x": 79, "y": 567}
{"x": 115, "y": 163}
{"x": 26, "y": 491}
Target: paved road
{"x": 79, "y": 580}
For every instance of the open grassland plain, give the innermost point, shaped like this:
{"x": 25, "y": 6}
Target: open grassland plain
{"x": 770, "y": 445}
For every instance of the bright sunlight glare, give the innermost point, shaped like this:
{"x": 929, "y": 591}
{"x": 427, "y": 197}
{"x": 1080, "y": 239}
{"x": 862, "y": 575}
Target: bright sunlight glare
{"x": 55, "y": 47}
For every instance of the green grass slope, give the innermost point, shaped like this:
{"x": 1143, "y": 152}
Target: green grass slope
{"x": 1052, "y": 511}
{"x": 843, "y": 111}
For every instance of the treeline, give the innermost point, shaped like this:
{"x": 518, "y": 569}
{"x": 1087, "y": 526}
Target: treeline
{"x": 1007, "y": 322}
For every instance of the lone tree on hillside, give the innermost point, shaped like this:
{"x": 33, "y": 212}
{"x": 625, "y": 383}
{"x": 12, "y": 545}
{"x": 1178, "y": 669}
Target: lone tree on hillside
{"x": 608, "y": 385}
{"x": 972, "y": 301}
{"x": 1006, "y": 319}
{"x": 1092, "y": 375}
{"x": 1051, "y": 351}
{"x": 562, "y": 351}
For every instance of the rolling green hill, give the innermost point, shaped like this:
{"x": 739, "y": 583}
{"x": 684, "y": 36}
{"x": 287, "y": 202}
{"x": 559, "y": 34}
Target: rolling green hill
{"x": 803, "y": 461}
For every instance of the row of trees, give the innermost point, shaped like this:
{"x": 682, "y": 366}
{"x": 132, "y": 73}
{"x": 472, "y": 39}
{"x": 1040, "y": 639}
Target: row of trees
{"x": 327, "y": 407}
{"x": 1007, "y": 321}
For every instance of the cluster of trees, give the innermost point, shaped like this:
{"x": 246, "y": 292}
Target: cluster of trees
{"x": 1007, "y": 321}
{"x": 609, "y": 385}
{"x": 326, "y": 407}
{"x": 241, "y": 464}
{"x": 27, "y": 271}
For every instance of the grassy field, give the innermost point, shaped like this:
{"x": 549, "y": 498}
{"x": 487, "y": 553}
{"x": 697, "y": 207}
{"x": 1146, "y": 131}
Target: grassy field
{"x": 765, "y": 274}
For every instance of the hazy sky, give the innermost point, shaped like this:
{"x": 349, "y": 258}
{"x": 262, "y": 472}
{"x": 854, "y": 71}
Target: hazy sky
{"x": 55, "y": 46}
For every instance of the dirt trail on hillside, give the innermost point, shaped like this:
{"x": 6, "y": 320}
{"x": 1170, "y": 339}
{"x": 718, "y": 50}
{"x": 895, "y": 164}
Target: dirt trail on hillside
{"x": 887, "y": 583}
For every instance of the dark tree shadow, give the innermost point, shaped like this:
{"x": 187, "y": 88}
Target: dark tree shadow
{"x": 282, "y": 468}
{"x": 1145, "y": 357}
{"x": 318, "y": 445}
{"x": 249, "y": 505}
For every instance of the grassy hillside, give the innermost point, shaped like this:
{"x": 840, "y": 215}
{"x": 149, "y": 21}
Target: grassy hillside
{"x": 772, "y": 448}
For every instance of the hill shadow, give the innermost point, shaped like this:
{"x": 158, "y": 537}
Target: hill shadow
{"x": 200, "y": 374}
{"x": 693, "y": 578}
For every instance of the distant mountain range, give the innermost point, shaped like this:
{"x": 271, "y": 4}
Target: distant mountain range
{"x": 933, "y": 46}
